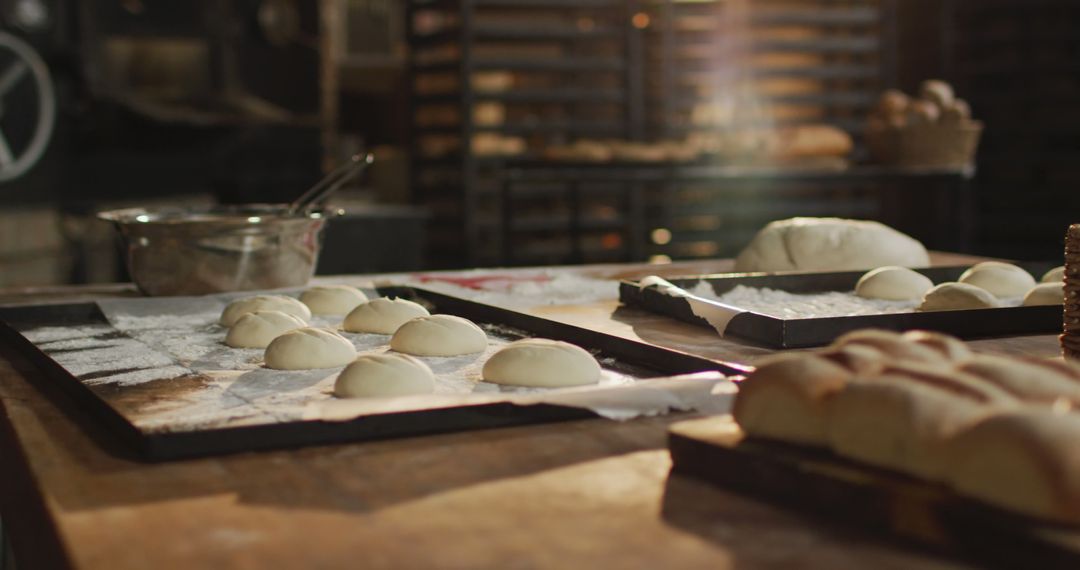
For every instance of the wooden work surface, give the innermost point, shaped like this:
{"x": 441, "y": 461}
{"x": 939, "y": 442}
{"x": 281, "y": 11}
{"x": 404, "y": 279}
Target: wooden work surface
{"x": 591, "y": 493}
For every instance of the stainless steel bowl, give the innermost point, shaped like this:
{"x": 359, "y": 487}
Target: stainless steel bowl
{"x": 193, "y": 251}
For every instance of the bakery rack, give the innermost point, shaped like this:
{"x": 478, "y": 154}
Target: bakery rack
{"x": 496, "y": 82}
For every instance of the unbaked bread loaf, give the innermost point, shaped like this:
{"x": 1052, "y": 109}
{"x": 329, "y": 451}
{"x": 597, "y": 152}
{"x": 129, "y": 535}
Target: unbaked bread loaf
{"x": 829, "y": 244}
{"x": 1025, "y": 461}
{"x": 862, "y": 360}
{"x": 952, "y": 348}
{"x": 1025, "y": 380}
{"x": 998, "y": 429}
{"x": 785, "y": 398}
{"x": 893, "y": 345}
{"x": 903, "y": 419}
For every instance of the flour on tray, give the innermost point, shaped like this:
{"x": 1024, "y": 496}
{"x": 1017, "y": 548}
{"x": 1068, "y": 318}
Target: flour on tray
{"x": 785, "y": 305}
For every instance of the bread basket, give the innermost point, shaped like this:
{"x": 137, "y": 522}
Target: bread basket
{"x": 931, "y": 145}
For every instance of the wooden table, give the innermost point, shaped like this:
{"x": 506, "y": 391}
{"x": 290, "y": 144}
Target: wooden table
{"x": 591, "y": 493}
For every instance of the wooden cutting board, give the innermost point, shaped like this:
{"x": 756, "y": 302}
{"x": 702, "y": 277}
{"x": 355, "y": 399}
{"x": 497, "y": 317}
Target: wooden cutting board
{"x": 815, "y": 481}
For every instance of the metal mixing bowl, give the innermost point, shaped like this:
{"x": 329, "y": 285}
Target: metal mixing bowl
{"x": 193, "y": 251}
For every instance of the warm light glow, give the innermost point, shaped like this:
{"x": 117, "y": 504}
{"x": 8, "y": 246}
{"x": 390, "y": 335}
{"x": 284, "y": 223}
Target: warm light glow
{"x": 254, "y": 219}
{"x": 661, "y": 236}
{"x": 142, "y": 218}
{"x": 611, "y": 241}
{"x": 640, "y": 20}
{"x": 586, "y": 24}
{"x": 659, "y": 259}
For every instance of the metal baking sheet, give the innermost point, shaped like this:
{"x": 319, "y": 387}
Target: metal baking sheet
{"x": 776, "y": 332}
{"x": 123, "y": 407}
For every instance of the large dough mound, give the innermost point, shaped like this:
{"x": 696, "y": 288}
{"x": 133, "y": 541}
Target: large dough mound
{"x": 384, "y": 375}
{"x": 307, "y": 348}
{"x": 439, "y": 335}
{"x": 542, "y": 363}
{"x": 245, "y": 305}
{"x": 829, "y": 244}
{"x": 332, "y": 299}
{"x": 259, "y": 329}
{"x": 382, "y": 315}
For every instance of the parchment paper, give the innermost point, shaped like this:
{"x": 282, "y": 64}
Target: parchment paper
{"x": 174, "y": 347}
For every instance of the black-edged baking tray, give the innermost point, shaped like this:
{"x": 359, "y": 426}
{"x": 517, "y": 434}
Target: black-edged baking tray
{"x": 111, "y": 405}
{"x": 799, "y": 333}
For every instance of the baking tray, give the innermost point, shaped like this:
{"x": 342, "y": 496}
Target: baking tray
{"x": 800, "y": 333}
{"x": 820, "y": 483}
{"x": 107, "y": 403}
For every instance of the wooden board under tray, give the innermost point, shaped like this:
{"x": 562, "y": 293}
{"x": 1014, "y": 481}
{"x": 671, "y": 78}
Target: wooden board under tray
{"x": 816, "y": 481}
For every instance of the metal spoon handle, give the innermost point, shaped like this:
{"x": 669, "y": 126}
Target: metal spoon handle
{"x": 331, "y": 182}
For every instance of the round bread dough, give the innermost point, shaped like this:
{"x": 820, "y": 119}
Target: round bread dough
{"x": 382, "y": 315}
{"x": 256, "y": 330}
{"x": 829, "y": 244}
{"x": 893, "y": 283}
{"x": 1046, "y": 294}
{"x": 332, "y": 299}
{"x": 439, "y": 335}
{"x": 1001, "y": 279}
{"x": 1054, "y": 275}
{"x": 245, "y": 305}
{"x": 953, "y": 296}
{"x": 542, "y": 363}
{"x": 307, "y": 348}
{"x": 384, "y": 375}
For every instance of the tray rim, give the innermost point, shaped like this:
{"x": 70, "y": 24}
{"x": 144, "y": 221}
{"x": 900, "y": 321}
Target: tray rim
{"x": 775, "y": 332}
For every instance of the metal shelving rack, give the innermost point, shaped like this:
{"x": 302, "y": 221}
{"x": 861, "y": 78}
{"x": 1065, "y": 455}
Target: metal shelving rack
{"x": 632, "y": 70}
{"x": 577, "y": 57}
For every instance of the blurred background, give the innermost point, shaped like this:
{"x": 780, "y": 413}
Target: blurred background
{"x": 531, "y": 132}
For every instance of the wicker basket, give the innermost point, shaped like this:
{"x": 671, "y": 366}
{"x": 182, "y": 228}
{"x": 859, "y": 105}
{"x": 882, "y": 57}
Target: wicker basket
{"x": 1070, "y": 339}
{"x": 933, "y": 145}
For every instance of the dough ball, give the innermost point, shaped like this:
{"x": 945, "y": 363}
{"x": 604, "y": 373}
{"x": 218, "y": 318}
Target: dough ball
{"x": 938, "y": 92}
{"x": 307, "y": 348}
{"x": 923, "y": 113}
{"x": 954, "y": 296}
{"x": 958, "y": 112}
{"x": 1001, "y": 279}
{"x": 893, "y": 283}
{"x": 439, "y": 335}
{"x": 1054, "y": 275}
{"x": 829, "y": 244}
{"x": 256, "y": 330}
{"x": 892, "y": 102}
{"x": 542, "y": 363}
{"x": 332, "y": 299}
{"x": 1045, "y": 294}
{"x": 382, "y": 315}
{"x": 384, "y": 375}
{"x": 245, "y": 305}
